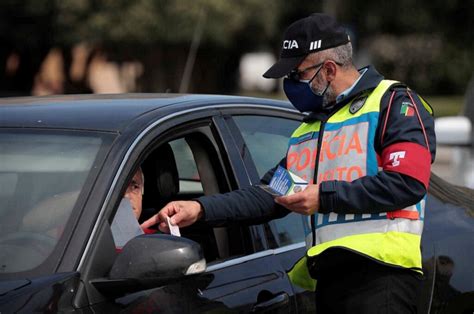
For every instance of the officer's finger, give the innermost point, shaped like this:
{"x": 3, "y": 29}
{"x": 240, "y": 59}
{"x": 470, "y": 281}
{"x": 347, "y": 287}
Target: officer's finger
{"x": 301, "y": 206}
{"x": 150, "y": 222}
{"x": 164, "y": 227}
{"x": 166, "y": 211}
{"x": 186, "y": 213}
{"x": 290, "y": 199}
{"x": 302, "y": 209}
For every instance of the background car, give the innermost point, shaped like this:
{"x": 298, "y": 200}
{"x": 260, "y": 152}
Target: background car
{"x": 65, "y": 163}
{"x": 455, "y": 140}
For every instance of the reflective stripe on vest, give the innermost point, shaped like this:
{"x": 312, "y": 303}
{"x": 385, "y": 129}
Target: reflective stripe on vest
{"x": 347, "y": 153}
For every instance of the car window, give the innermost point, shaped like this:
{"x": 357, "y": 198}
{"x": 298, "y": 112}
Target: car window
{"x": 267, "y": 140}
{"x": 186, "y": 167}
{"x": 169, "y": 173}
{"x": 189, "y": 152}
{"x": 43, "y": 174}
{"x": 189, "y": 180}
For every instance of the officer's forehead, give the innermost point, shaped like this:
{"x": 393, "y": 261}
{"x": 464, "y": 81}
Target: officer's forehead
{"x": 311, "y": 59}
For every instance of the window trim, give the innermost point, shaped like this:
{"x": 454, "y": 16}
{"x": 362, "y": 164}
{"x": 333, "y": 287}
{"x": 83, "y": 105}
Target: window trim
{"x": 254, "y": 256}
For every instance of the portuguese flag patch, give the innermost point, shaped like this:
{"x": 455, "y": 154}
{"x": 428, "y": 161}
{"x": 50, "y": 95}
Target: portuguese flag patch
{"x": 407, "y": 109}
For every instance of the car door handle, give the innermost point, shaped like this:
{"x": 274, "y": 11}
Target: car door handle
{"x": 275, "y": 302}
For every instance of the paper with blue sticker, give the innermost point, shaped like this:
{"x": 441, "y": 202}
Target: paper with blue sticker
{"x": 283, "y": 183}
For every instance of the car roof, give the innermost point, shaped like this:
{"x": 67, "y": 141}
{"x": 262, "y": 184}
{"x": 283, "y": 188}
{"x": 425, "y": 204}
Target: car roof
{"x": 105, "y": 112}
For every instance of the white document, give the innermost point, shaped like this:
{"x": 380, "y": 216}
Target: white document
{"x": 174, "y": 230}
{"x": 125, "y": 226}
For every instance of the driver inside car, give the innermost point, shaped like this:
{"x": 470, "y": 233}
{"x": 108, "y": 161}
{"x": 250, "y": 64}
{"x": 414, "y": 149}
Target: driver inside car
{"x": 125, "y": 225}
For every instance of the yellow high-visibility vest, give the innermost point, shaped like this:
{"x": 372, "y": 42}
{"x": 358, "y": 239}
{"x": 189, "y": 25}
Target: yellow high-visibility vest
{"x": 346, "y": 153}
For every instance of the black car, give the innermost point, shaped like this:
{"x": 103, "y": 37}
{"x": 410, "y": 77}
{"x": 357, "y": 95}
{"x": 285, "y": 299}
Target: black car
{"x": 65, "y": 163}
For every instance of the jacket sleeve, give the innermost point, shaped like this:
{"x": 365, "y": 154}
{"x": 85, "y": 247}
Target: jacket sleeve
{"x": 405, "y": 145}
{"x": 250, "y": 205}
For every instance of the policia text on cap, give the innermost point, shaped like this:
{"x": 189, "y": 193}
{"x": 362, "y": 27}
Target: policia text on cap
{"x": 370, "y": 142}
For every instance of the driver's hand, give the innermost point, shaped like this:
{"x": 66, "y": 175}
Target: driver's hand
{"x": 181, "y": 213}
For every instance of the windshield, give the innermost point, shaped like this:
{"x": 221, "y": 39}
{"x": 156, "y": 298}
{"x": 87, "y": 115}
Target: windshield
{"x": 41, "y": 177}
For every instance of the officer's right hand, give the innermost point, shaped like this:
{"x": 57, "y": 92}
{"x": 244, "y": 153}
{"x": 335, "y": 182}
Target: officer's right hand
{"x": 181, "y": 213}
{"x": 305, "y": 202}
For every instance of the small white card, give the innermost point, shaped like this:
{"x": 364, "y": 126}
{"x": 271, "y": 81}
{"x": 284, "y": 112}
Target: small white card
{"x": 174, "y": 230}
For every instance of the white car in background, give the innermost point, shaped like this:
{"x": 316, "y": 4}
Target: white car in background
{"x": 455, "y": 151}
{"x": 455, "y": 144}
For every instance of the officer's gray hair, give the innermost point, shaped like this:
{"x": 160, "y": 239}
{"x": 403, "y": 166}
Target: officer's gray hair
{"x": 341, "y": 54}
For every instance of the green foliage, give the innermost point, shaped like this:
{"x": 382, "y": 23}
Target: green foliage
{"x": 25, "y": 23}
{"x": 446, "y": 105}
{"x": 148, "y": 22}
{"x": 427, "y": 44}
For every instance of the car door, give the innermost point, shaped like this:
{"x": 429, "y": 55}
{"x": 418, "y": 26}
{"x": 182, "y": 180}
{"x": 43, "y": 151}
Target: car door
{"x": 265, "y": 134}
{"x": 448, "y": 249}
{"x": 241, "y": 276}
{"x": 245, "y": 277}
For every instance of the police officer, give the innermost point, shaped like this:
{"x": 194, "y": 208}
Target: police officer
{"x": 366, "y": 146}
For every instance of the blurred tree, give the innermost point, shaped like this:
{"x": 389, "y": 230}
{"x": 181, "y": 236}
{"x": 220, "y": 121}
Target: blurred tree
{"x": 426, "y": 44}
{"x": 159, "y": 33}
{"x": 26, "y": 36}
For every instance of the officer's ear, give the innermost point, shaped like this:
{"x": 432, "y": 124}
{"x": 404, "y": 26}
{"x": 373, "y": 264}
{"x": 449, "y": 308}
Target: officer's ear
{"x": 331, "y": 69}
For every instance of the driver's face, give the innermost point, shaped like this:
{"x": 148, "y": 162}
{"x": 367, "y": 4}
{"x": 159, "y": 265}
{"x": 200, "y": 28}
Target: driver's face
{"x": 135, "y": 193}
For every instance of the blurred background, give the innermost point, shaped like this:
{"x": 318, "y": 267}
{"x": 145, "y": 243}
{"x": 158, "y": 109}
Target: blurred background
{"x": 223, "y": 47}
{"x": 220, "y": 46}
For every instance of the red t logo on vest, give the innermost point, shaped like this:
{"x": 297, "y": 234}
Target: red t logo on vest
{"x": 395, "y": 156}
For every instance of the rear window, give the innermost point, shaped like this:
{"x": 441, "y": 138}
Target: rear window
{"x": 41, "y": 177}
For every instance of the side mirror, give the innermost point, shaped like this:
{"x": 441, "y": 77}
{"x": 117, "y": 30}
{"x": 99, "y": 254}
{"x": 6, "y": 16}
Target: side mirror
{"x": 453, "y": 131}
{"x": 152, "y": 260}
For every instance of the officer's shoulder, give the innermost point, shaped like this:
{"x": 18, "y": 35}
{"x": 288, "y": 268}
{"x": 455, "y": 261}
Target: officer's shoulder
{"x": 398, "y": 87}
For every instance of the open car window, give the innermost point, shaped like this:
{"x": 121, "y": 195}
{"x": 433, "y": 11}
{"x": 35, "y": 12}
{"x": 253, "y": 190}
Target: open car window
{"x": 44, "y": 173}
{"x": 184, "y": 164}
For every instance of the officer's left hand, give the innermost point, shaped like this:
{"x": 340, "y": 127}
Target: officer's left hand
{"x": 305, "y": 202}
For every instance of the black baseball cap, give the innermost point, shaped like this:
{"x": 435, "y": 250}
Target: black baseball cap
{"x": 311, "y": 34}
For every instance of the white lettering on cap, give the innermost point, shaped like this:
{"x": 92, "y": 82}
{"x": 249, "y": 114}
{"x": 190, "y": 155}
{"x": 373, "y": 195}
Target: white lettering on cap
{"x": 290, "y": 44}
{"x": 315, "y": 45}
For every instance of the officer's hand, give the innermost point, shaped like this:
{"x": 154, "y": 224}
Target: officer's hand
{"x": 181, "y": 213}
{"x": 305, "y": 202}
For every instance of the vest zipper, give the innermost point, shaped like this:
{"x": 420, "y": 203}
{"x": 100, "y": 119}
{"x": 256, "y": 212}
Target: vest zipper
{"x": 318, "y": 152}
{"x": 315, "y": 176}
